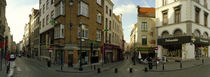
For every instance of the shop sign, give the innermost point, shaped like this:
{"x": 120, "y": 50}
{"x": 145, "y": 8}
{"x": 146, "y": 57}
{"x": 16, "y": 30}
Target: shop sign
{"x": 171, "y": 40}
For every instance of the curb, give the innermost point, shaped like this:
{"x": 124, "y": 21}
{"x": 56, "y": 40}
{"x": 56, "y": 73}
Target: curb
{"x": 178, "y": 69}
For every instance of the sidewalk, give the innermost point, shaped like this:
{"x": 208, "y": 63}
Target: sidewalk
{"x": 175, "y": 66}
{"x": 3, "y": 71}
{"x": 86, "y": 68}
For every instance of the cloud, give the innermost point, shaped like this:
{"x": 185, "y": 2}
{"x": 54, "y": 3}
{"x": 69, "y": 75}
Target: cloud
{"x": 125, "y": 9}
{"x": 17, "y": 16}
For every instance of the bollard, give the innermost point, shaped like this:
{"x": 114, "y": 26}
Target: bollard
{"x": 180, "y": 65}
{"x": 156, "y": 65}
{"x": 163, "y": 66}
{"x": 94, "y": 67}
{"x": 145, "y": 69}
{"x": 99, "y": 70}
{"x": 202, "y": 61}
{"x": 131, "y": 70}
{"x": 115, "y": 70}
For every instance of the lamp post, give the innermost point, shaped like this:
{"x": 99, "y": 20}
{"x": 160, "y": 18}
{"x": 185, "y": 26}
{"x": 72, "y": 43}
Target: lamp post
{"x": 80, "y": 53}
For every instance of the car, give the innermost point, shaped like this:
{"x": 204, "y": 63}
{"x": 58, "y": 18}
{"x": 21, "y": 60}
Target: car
{"x": 12, "y": 57}
{"x": 19, "y": 55}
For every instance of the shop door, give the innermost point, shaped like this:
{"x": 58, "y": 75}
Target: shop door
{"x": 70, "y": 60}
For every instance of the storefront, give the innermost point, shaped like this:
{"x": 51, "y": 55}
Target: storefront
{"x": 146, "y": 52}
{"x": 112, "y": 53}
{"x": 173, "y": 47}
{"x": 201, "y": 47}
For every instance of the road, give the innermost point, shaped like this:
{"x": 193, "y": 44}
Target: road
{"x": 29, "y": 68}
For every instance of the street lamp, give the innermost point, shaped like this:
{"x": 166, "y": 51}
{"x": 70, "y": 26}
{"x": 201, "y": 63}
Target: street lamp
{"x": 80, "y": 53}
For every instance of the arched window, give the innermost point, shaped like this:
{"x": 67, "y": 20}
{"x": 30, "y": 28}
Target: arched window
{"x": 165, "y": 34}
{"x": 197, "y": 33}
{"x": 205, "y": 35}
{"x": 177, "y": 32}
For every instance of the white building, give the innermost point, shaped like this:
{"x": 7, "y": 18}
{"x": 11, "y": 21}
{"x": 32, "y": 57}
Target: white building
{"x": 113, "y": 33}
{"x": 47, "y": 13}
{"x": 183, "y": 28}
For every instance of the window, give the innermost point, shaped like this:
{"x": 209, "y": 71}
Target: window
{"x": 165, "y": 17}
{"x": 47, "y": 19}
{"x": 52, "y": 14}
{"x": 205, "y": 3}
{"x": 99, "y": 17}
{"x": 110, "y": 25}
{"x": 106, "y": 23}
{"x": 205, "y": 19}
{"x": 51, "y": 2}
{"x": 59, "y": 31}
{"x": 83, "y": 10}
{"x": 164, "y": 2}
{"x": 109, "y": 37}
{"x": 47, "y": 4}
{"x": 98, "y": 35}
{"x": 59, "y": 9}
{"x": 99, "y": 2}
{"x": 84, "y": 32}
{"x": 106, "y": 9}
{"x": 110, "y": 12}
{"x": 144, "y": 40}
{"x": 43, "y": 7}
{"x": 43, "y": 22}
{"x": 197, "y": 15}
{"x": 177, "y": 14}
{"x": 144, "y": 26}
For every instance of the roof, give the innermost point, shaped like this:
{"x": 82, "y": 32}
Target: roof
{"x": 146, "y": 12}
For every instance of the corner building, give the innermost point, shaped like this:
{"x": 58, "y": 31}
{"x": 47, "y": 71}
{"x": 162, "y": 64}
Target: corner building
{"x": 183, "y": 29}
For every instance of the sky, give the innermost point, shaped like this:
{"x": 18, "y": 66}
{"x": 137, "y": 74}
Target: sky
{"x": 17, "y": 14}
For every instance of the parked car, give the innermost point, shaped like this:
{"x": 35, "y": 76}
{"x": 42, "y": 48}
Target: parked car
{"x": 12, "y": 57}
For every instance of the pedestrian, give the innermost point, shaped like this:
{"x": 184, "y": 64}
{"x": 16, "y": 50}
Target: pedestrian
{"x": 150, "y": 62}
{"x": 8, "y": 67}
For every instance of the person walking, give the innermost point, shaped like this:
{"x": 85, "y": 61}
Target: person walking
{"x": 150, "y": 62}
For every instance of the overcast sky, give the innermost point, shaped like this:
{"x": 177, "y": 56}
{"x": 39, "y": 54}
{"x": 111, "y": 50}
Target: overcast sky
{"x": 17, "y": 13}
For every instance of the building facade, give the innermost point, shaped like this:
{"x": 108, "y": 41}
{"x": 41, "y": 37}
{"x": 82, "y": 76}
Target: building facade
{"x": 46, "y": 11}
{"x": 78, "y": 32}
{"x": 113, "y": 34}
{"x": 2, "y": 27}
{"x": 34, "y": 38}
{"x": 146, "y": 32}
{"x": 183, "y": 28}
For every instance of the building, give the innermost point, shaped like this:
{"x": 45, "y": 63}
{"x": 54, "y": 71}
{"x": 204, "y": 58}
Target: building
{"x": 34, "y": 37}
{"x": 46, "y": 11}
{"x": 2, "y": 27}
{"x": 183, "y": 28}
{"x": 78, "y": 31}
{"x": 113, "y": 34}
{"x": 145, "y": 37}
{"x": 26, "y": 40}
